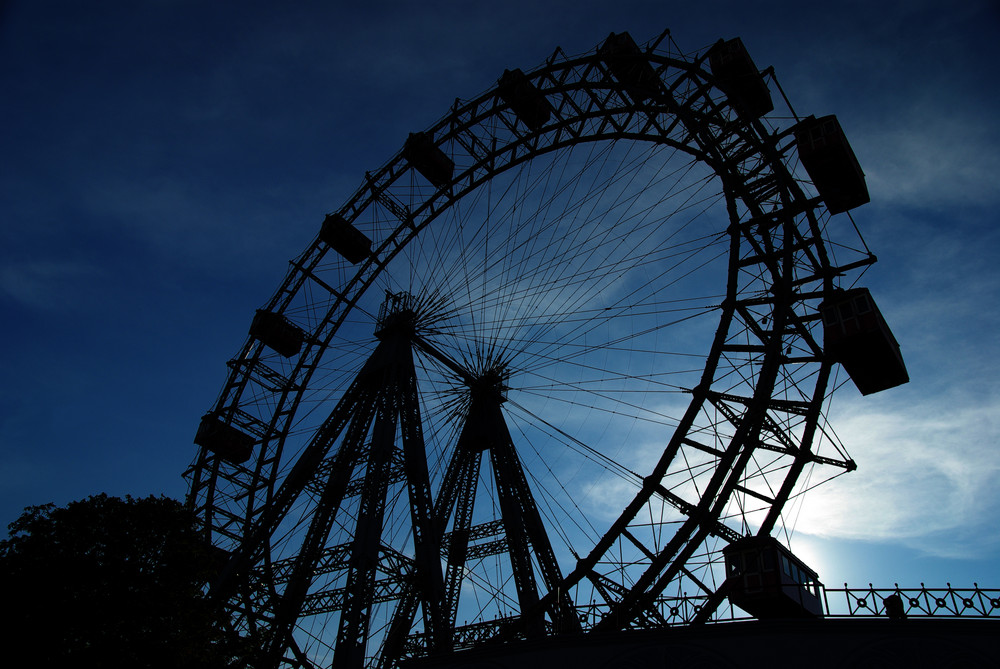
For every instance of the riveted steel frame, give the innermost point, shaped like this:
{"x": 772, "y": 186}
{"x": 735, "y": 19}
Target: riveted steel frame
{"x": 774, "y": 232}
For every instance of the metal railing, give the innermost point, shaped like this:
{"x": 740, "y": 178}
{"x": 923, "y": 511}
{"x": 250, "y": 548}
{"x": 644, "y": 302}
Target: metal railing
{"x": 846, "y": 602}
{"x": 948, "y": 602}
{"x": 838, "y": 603}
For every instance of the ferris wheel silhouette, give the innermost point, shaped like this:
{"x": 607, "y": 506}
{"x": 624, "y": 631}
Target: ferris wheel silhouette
{"x": 557, "y": 367}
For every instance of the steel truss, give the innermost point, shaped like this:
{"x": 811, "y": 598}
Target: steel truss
{"x": 752, "y": 420}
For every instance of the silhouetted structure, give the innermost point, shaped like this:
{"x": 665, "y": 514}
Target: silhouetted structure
{"x": 362, "y": 472}
{"x": 524, "y": 98}
{"x": 345, "y": 239}
{"x": 894, "y": 607}
{"x": 277, "y": 332}
{"x": 428, "y": 159}
{"x": 226, "y": 441}
{"x": 830, "y": 161}
{"x": 737, "y": 75}
{"x": 767, "y": 581}
{"x": 823, "y": 644}
{"x": 857, "y": 336}
{"x": 630, "y": 66}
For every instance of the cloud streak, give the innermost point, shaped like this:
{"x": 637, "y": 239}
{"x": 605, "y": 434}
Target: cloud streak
{"x": 927, "y": 470}
{"x": 47, "y": 284}
{"x": 932, "y": 156}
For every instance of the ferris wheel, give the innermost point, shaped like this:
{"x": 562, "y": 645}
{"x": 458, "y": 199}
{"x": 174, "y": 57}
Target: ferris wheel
{"x": 544, "y": 366}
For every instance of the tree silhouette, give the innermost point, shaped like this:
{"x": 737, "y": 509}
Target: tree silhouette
{"x": 106, "y": 582}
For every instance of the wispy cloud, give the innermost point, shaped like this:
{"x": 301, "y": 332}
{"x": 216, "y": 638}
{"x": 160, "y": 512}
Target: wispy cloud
{"x": 929, "y": 476}
{"x": 47, "y": 284}
{"x": 936, "y": 155}
{"x": 921, "y": 124}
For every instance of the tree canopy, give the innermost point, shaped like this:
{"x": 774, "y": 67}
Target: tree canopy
{"x": 110, "y": 582}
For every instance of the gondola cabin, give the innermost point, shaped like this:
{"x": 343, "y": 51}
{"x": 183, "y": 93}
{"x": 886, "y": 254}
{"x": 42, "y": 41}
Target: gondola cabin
{"x": 630, "y": 66}
{"x": 856, "y": 336}
{"x": 831, "y": 163}
{"x": 768, "y": 582}
{"x": 226, "y": 441}
{"x": 737, "y": 76}
{"x": 345, "y": 239}
{"x": 277, "y": 333}
{"x": 524, "y": 99}
{"x": 428, "y": 159}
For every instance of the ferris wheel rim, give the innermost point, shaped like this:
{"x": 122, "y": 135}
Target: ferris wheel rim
{"x": 316, "y": 345}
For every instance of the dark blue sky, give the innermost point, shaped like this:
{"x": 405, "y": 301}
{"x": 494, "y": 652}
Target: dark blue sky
{"x": 161, "y": 161}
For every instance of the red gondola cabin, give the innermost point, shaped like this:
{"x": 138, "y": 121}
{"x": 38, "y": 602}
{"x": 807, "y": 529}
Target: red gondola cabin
{"x": 768, "y": 582}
